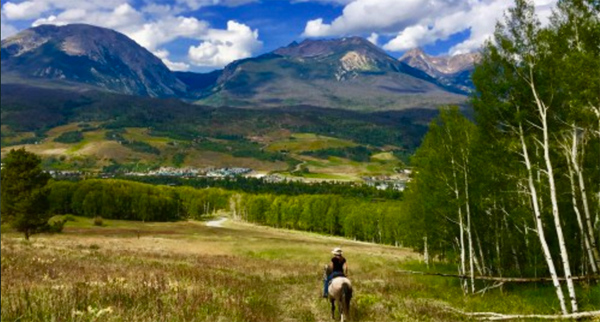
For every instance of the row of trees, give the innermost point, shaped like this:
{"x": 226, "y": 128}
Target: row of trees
{"x": 518, "y": 193}
{"x": 330, "y": 214}
{"x": 292, "y": 188}
{"x": 125, "y": 200}
{"x": 360, "y": 219}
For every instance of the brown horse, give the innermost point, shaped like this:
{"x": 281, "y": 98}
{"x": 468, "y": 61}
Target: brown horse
{"x": 340, "y": 291}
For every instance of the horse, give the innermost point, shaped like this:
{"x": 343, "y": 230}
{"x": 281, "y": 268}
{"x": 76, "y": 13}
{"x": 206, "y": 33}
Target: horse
{"x": 340, "y": 291}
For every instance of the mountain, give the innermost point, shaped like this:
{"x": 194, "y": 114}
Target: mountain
{"x": 347, "y": 73}
{"x": 76, "y": 56}
{"x": 454, "y": 71}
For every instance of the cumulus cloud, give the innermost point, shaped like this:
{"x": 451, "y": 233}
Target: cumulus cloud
{"x": 7, "y": 30}
{"x": 123, "y": 18}
{"x": 154, "y": 34}
{"x": 221, "y": 47}
{"x": 414, "y": 23}
{"x": 373, "y": 38}
{"x": 24, "y": 10}
{"x": 163, "y": 54}
{"x": 32, "y": 9}
{"x": 386, "y": 16}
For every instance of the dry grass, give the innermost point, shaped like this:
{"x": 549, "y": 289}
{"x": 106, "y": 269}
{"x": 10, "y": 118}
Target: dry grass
{"x": 186, "y": 271}
{"x": 189, "y": 272}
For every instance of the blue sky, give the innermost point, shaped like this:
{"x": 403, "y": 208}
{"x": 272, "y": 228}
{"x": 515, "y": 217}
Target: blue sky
{"x": 202, "y": 35}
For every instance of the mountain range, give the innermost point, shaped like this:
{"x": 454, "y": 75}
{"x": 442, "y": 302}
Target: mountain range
{"x": 453, "y": 71}
{"x": 347, "y": 73}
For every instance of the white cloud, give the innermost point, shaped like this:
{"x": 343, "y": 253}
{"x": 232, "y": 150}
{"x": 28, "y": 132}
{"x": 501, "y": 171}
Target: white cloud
{"x": 373, "y": 38}
{"x": 24, "y": 10}
{"x": 154, "y": 34}
{"x": 414, "y": 23}
{"x": 221, "y": 47}
{"x": 123, "y": 18}
{"x": 6, "y": 30}
{"x": 163, "y": 54}
{"x": 386, "y": 16}
{"x": 33, "y": 9}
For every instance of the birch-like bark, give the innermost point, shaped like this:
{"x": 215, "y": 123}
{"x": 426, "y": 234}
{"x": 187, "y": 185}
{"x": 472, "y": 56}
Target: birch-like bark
{"x": 571, "y": 155}
{"x": 584, "y": 199}
{"x": 469, "y": 234}
{"x": 539, "y": 224}
{"x": 462, "y": 228}
{"x": 564, "y": 254}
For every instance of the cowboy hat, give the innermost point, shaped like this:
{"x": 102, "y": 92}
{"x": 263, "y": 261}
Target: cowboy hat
{"x": 337, "y": 251}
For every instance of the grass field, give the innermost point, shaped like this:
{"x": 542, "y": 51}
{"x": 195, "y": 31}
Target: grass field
{"x": 94, "y": 152}
{"x": 300, "y": 142}
{"x": 99, "y": 151}
{"x": 186, "y": 271}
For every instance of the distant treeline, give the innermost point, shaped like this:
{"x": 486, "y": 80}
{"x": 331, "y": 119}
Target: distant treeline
{"x": 331, "y": 214}
{"x": 358, "y": 153}
{"x": 118, "y": 199}
{"x": 292, "y": 188}
{"x": 379, "y": 222}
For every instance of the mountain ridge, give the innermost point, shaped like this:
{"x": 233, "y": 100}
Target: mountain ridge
{"x": 89, "y": 55}
{"x": 349, "y": 73}
{"x": 449, "y": 70}
{"x": 346, "y": 73}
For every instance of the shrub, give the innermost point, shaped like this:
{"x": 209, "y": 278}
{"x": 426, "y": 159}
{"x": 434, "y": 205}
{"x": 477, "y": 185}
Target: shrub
{"x": 55, "y": 227}
{"x": 70, "y": 137}
{"x": 98, "y": 221}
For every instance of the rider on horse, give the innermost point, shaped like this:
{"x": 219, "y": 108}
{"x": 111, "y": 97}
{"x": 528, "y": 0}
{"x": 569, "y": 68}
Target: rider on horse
{"x": 338, "y": 267}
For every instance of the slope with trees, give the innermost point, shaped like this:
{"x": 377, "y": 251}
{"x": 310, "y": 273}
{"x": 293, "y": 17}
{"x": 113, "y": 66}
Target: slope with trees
{"x": 518, "y": 193}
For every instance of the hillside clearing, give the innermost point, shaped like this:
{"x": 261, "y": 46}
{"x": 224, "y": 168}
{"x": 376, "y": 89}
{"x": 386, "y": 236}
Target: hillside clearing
{"x": 186, "y": 271}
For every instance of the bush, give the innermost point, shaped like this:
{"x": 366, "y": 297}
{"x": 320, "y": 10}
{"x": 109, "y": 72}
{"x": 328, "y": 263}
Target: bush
{"x": 98, "y": 221}
{"x": 55, "y": 227}
{"x": 70, "y": 137}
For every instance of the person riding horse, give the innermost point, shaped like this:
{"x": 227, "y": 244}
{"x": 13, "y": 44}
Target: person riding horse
{"x": 338, "y": 267}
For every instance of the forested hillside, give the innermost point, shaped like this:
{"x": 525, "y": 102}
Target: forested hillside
{"x": 518, "y": 192}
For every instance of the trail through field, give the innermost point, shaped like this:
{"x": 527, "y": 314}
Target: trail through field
{"x": 216, "y": 223}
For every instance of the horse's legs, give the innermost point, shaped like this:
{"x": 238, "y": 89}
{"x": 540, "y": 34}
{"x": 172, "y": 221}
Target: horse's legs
{"x": 333, "y": 309}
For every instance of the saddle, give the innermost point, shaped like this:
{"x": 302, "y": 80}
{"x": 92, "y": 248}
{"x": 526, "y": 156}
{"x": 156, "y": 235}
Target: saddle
{"x": 335, "y": 275}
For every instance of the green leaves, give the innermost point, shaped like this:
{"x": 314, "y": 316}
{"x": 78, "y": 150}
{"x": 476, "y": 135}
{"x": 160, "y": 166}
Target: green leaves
{"x": 24, "y": 197}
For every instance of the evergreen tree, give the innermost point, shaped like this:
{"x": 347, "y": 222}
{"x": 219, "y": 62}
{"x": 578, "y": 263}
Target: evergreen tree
{"x": 24, "y": 195}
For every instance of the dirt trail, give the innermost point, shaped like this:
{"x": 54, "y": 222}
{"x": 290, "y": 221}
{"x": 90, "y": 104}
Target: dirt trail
{"x": 216, "y": 223}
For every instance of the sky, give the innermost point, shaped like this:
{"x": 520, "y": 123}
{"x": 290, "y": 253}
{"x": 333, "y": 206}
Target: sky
{"x": 203, "y": 35}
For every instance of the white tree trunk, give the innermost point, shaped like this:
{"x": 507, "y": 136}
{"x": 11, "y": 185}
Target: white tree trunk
{"x": 584, "y": 200}
{"x": 564, "y": 254}
{"x": 469, "y": 234}
{"x": 462, "y": 228}
{"x": 540, "y": 225}
{"x": 572, "y": 164}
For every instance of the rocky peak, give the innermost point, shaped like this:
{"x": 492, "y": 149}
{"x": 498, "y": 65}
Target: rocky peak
{"x": 439, "y": 65}
{"x": 312, "y": 48}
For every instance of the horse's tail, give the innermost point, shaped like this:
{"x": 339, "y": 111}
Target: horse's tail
{"x": 346, "y": 297}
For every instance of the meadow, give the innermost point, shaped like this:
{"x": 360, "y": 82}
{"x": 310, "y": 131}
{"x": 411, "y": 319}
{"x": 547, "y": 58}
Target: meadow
{"x": 188, "y": 271}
